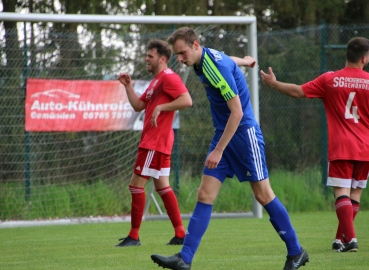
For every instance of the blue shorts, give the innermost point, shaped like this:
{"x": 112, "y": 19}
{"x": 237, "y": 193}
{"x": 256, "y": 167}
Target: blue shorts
{"x": 244, "y": 156}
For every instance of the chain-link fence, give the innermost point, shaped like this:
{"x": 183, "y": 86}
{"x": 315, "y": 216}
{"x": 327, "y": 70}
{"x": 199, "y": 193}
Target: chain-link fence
{"x": 295, "y": 130}
{"x": 32, "y": 164}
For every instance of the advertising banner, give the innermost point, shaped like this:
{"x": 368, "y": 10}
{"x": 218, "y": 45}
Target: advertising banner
{"x": 80, "y": 105}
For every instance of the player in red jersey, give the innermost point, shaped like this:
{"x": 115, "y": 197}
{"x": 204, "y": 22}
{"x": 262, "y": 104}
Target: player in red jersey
{"x": 165, "y": 94}
{"x": 345, "y": 94}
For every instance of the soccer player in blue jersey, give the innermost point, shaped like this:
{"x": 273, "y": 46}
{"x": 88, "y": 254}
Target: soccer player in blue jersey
{"x": 237, "y": 148}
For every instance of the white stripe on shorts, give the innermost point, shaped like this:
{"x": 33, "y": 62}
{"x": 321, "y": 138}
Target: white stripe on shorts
{"x": 338, "y": 182}
{"x": 345, "y": 183}
{"x": 147, "y": 171}
{"x": 149, "y": 157}
{"x": 256, "y": 153}
{"x": 359, "y": 184}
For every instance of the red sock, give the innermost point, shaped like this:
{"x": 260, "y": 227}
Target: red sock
{"x": 171, "y": 205}
{"x": 355, "y": 209}
{"x": 137, "y": 210}
{"x": 345, "y": 217}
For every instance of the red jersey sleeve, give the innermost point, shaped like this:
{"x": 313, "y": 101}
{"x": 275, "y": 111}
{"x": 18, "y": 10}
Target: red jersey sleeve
{"x": 316, "y": 88}
{"x": 143, "y": 96}
{"x": 173, "y": 85}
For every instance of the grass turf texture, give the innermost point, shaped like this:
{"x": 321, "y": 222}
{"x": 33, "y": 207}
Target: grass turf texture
{"x": 228, "y": 244}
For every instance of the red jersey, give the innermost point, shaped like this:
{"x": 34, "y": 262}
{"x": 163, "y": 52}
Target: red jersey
{"x": 345, "y": 94}
{"x": 164, "y": 88}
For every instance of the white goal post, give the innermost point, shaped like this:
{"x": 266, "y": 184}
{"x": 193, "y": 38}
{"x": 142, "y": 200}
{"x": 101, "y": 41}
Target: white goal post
{"x": 250, "y": 21}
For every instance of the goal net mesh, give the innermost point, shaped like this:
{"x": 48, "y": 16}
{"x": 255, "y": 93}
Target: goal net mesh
{"x": 77, "y": 174}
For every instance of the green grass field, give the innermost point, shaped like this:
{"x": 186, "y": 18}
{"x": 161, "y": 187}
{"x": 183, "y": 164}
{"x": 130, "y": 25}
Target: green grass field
{"x": 228, "y": 244}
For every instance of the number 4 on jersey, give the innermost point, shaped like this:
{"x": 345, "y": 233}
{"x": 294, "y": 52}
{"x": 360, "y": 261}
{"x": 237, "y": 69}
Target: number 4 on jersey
{"x": 348, "y": 114}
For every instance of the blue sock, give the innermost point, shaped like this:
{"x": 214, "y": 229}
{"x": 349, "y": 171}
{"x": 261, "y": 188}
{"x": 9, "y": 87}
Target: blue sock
{"x": 197, "y": 226}
{"x": 280, "y": 220}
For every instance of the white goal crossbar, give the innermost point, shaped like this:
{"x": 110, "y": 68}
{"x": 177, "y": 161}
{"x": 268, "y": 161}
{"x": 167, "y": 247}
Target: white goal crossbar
{"x": 136, "y": 19}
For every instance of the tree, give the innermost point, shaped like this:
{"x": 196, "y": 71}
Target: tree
{"x": 357, "y": 12}
{"x": 12, "y": 46}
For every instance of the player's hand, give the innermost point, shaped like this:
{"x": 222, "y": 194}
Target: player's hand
{"x": 250, "y": 61}
{"x": 124, "y": 79}
{"x": 155, "y": 116}
{"x": 213, "y": 159}
{"x": 268, "y": 79}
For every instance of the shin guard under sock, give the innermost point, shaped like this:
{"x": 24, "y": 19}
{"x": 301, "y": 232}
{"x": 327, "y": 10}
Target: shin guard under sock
{"x": 171, "y": 205}
{"x": 137, "y": 210}
{"x": 281, "y": 222}
{"x": 344, "y": 212}
{"x": 197, "y": 226}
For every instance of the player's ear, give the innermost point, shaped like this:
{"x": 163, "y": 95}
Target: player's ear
{"x": 163, "y": 59}
{"x": 196, "y": 45}
{"x": 363, "y": 59}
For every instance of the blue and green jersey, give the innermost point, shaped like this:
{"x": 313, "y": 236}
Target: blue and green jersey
{"x": 223, "y": 80}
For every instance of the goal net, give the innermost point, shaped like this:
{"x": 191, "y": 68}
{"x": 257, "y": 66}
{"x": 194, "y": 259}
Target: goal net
{"x": 55, "y": 174}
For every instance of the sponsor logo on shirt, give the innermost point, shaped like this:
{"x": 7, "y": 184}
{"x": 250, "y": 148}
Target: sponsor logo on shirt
{"x": 168, "y": 71}
{"x": 216, "y": 54}
{"x": 151, "y": 91}
{"x": 349, "y": 82}
{"x": 149, "y": 94}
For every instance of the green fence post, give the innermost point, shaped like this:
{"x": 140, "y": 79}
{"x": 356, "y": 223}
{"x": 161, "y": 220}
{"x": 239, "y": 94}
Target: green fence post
{"x": 27, "y": 138}
{"x": 324, "y": 140}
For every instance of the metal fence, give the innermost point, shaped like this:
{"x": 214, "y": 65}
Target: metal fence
{"x": 31, "y": 163}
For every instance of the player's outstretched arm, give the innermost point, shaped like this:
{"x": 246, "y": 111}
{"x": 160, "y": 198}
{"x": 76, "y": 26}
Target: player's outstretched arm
{"x": 289, "y": 89}
{"x": 247, "y": 61}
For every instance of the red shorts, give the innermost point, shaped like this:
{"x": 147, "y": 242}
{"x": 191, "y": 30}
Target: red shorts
{"x": 150, "y": 163}
{"x": 348, "y": 173}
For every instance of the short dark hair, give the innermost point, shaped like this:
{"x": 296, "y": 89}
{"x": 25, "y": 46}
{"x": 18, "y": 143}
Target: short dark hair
{"x": 161, "y": 47}
{"x": 185, "y": 33}
{"x": 356, "y": 49}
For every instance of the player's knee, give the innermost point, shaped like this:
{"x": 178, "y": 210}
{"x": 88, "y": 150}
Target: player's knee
{"x": 205, "y": 197}
{"x": 261, "y": 199}
{"x": 264, "y": 198}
